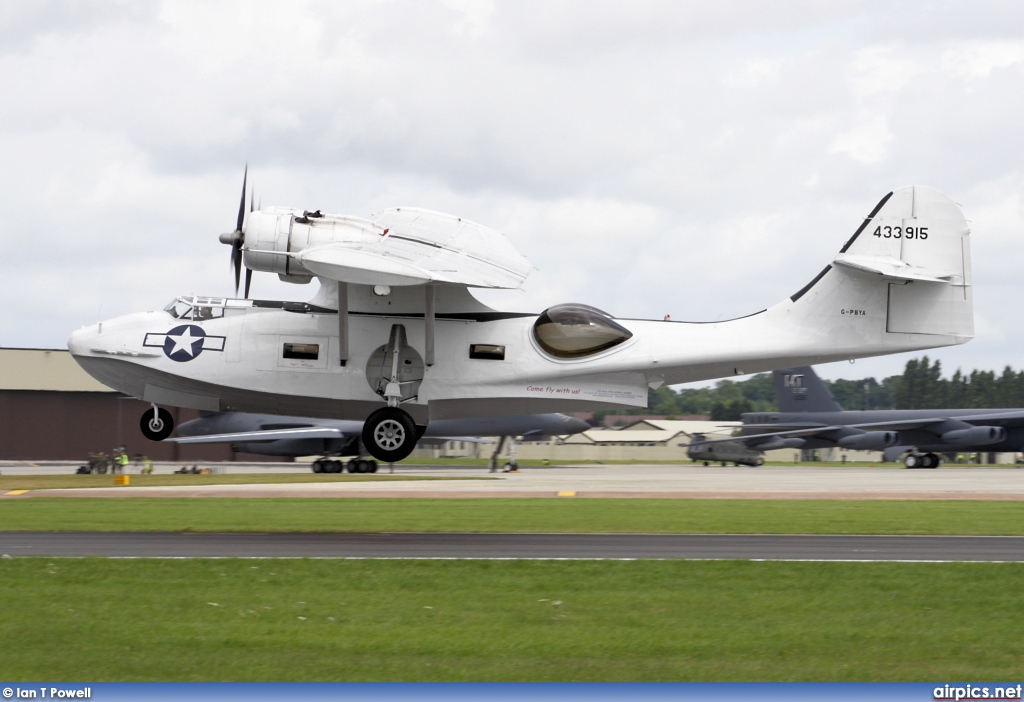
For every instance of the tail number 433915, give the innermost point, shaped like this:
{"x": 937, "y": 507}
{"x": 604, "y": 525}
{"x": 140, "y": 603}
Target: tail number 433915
{"x": 901, "y": 232}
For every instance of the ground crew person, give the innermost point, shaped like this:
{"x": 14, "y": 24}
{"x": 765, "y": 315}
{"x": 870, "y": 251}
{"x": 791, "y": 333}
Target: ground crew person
{"x": 147, "y": 465}
{"x": 122, "y": 461}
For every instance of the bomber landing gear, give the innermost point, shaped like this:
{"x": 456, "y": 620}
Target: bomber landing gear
{"x": 326, "y": 465}
{"x": 156, "y": 424}
{"x": 921, "y": 460}
{"x": 361, "y": 465}
{"x": 389, "y": 434}
{"x": 356, "y": 465}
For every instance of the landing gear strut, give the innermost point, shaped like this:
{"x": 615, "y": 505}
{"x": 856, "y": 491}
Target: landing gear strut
{"x": 156, "y": 424}
{"x": 921, "y": 460}
{"x": 511, "y": 466}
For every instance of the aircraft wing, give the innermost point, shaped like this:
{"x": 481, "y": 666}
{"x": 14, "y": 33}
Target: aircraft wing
{"x": 413, "y": 247}
{"x": 438, "y": 440}
{"x": 995, "y": 418}
{"x": 268, "y": 435}
{"x": 748, "y": 438}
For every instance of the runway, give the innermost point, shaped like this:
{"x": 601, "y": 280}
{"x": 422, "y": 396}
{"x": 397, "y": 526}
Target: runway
{"x": 787, "y": 547}
{"x": 686, "y": 481}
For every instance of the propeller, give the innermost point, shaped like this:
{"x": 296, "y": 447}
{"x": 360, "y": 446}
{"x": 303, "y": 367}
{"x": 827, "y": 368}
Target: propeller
{"x": 236, "y": 239}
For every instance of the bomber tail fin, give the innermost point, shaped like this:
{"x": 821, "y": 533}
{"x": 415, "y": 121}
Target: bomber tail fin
{"x": 801, "y": 390}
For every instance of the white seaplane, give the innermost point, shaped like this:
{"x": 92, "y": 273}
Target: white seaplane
{"x": 394, "y": 337}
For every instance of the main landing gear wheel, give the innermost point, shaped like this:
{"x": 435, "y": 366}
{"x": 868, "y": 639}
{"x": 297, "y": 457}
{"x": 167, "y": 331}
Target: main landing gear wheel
{"x": 922, "y": 460}
{"x": 156, "y": 425}
{"x": 389, "y": 434}
{"x": 325, "y": 465}
{"x": 361, "y": 465}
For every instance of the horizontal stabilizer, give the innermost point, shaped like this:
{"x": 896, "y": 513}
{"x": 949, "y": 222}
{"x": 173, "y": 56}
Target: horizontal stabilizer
{"x": 892, "y": 268}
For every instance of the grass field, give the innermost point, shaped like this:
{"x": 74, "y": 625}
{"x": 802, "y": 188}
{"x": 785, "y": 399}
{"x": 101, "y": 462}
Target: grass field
{"x": 49, "y": 482}
{"x": 95, "y": 619}
{"x": 514, "y": 515}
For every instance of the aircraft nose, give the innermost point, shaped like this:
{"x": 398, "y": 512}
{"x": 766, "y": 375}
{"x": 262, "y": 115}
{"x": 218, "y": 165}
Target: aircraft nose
{"x": 76, "y": 342}
{"x": 575, "y": 426}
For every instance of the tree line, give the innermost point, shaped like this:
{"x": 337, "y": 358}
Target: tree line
{"x": 921, "y": 386}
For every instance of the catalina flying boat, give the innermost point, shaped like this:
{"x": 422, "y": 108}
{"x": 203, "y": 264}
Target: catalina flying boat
{"x": 394, "y": 337}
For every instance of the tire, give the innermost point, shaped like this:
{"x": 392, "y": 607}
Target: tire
{"x": 371, "y": 466}
{"x": 934, "y": 460}
{"x": 318, "y": 466}
{"x": 389, "y": 434}
{"x": 337, "y": 467}
{"x": 158, "y": 427}
{"x": 705, "y": 464}
{"x": 759, "y": 462}
{"x": 912, "y": 461}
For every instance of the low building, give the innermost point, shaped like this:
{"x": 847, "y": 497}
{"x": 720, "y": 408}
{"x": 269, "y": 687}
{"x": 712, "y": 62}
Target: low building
{"x": 51, "y": 409}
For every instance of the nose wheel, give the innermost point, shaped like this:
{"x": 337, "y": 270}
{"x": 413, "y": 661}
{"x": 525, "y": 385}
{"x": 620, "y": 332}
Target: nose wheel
{"x": 389, "y": 434}
{"x": 156, "y": 423}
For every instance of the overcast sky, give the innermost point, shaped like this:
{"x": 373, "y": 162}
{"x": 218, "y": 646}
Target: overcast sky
{"x": 700, "y": 159}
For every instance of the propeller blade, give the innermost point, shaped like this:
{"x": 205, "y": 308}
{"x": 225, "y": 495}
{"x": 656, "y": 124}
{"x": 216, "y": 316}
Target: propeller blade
{"x": 248, "y": 281}
{"x": 241, "y": 205}
{"x": 236, "y": 263}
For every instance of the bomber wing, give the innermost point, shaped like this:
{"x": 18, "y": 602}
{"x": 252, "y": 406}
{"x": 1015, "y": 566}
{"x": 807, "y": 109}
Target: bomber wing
{"x": 994, "y": 418}
{"x": 267, "y": 435}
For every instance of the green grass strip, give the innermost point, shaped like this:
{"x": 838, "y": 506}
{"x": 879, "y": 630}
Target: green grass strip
{"x": 213, "y": 620}
{"x": 514, "y": 515}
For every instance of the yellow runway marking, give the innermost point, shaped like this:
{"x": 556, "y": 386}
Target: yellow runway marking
{"x": 15, "y": 492}
{"x": 567, "y": 493}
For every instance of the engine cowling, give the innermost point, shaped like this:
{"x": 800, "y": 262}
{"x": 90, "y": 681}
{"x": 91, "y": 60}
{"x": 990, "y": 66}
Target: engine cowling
{"x": 978, "y": 436}
{"x": 870, "y": 440}
{"x": 271, "y": 234}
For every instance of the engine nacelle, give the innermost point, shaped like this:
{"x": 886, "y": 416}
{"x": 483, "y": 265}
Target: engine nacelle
{"x": 870, "y": 440}
{"x": 978, "y": 436}
{"x": 271, "y": 234}
{"x": 779, "y": 443}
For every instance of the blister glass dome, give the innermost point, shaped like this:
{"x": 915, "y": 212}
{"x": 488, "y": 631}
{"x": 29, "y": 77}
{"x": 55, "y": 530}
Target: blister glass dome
{"x": 576, "y": 331}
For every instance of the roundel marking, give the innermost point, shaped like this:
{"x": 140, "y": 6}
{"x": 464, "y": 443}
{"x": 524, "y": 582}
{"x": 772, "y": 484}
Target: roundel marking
{"x": 184, "y": 343}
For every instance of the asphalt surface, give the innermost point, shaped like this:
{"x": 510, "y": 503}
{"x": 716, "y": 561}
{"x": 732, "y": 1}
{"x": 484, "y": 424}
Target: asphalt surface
{"x": 686, "y": 481}
{"x": 524, "y": 546}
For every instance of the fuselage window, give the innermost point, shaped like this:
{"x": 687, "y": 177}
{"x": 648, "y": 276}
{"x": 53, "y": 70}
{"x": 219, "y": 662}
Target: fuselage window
{"x": 575, "y": 331}
{"x": 487, "y": 352}
{"x": 305, "y": 352}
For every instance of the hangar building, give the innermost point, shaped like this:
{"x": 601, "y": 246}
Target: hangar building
{"x": 51, "y": 409}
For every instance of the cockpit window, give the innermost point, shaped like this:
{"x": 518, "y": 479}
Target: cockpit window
{"x": 179, "y": 309}
{"x": 575, "y": 331}
{"x": 198, "y": 308}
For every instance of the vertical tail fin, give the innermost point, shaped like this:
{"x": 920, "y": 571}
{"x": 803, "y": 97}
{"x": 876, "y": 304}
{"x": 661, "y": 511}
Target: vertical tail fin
{"x": 801, "y": 390}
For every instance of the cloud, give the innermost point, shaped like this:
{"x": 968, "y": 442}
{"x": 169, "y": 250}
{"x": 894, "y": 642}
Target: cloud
{"x": 702, "y": 160}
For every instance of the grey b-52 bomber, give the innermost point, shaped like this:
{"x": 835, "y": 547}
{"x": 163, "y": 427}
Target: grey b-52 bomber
{"x": 273, "y": 435}
{"x": 810, "y": 417}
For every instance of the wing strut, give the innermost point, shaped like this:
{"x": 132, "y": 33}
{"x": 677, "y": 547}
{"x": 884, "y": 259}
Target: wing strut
{"x": 428, "y": 317}
{"x": 343, "y": 322}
